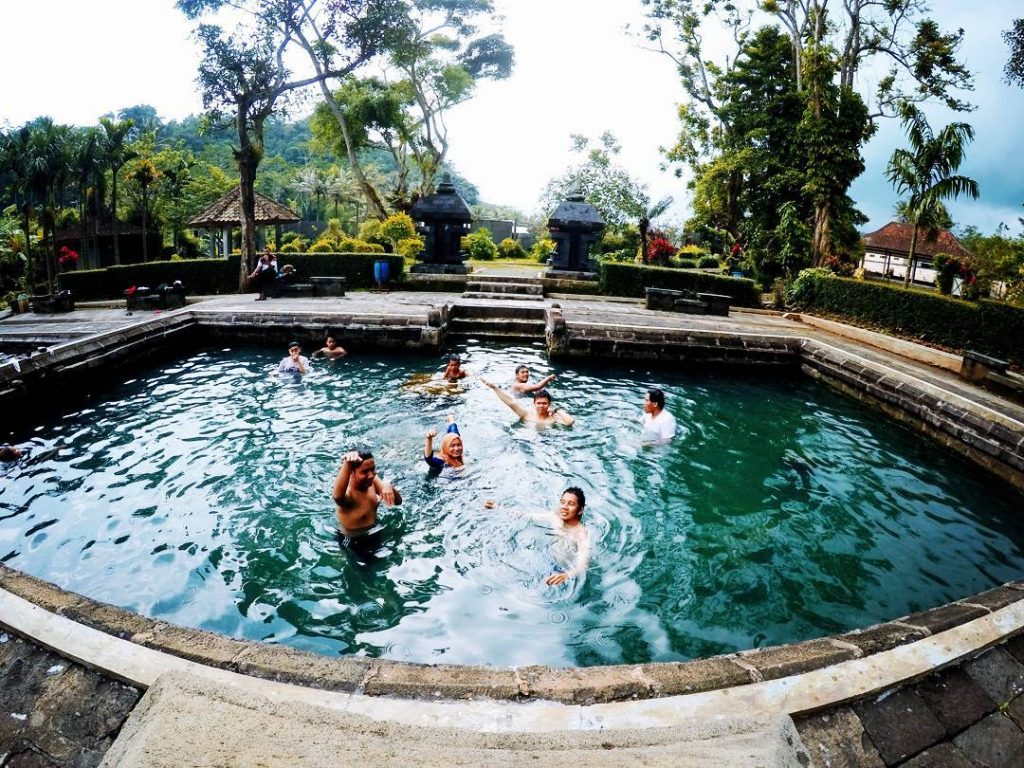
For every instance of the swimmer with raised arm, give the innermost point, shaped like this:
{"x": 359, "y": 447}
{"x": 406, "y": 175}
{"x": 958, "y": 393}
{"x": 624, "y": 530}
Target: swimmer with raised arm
{"x": 568, "y": 524}
{"x": 358, "y": 491}
{"x": 522, "y": 381}
{"x": 542, "y": 412}
{"x": 450, "y": 452}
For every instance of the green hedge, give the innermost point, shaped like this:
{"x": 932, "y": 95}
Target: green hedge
{"x": 214, "y": 276}
{"x": 200, "y": 276}
{"x": 631, "y": 279}
{"x": 990, "y": 327}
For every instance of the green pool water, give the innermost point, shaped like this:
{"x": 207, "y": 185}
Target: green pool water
{"x": 198, "y": 493}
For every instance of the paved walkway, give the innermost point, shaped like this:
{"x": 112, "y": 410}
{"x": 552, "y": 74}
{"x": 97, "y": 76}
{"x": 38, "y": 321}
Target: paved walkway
{"x": 54, "y": 712}
{"x": 971, "y": 714}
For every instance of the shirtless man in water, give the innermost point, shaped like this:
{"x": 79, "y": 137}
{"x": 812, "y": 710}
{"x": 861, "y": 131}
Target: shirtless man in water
{"x": 358, "y": 492}
{"x": 541, "y": 414}
{"x": 522, "y": 383}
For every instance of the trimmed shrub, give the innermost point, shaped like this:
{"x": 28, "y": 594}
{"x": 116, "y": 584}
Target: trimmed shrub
{"x": 542, "y": 249}
{"x": 631, "y": 279}
{"x": 708, "y": 262}
{"x": 685, "y": 264}
{"x": 200, "y": 276}
{"x": 692, "y": 252}
{"x": 480, "y": 245}
{"x": 990, "y": 327}
{"x": 410, "y": 247}
{"x": 511, "y": 249}
{"x": 356, "y": 267}
{"x": 215, "y": 276}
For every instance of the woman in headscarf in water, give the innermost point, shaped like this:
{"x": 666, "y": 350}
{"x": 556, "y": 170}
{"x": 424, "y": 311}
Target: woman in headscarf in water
{"x": 450, "y": 451}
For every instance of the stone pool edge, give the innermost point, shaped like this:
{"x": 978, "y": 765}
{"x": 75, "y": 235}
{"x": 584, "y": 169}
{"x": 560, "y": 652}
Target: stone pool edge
{"x": 573, "y": 685}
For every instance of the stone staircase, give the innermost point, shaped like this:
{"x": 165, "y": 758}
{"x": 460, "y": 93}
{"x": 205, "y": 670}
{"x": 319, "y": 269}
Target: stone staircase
{"x": 497, "y": 321}
{"x": 504, "y": 287}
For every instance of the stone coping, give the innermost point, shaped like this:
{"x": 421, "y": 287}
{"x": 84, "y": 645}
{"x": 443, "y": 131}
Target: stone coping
{"x": 991, "y": 439}
{"x": 575, "y": 686}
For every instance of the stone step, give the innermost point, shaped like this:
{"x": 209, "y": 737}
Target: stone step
{"x": 501, "y": 296}
{"x": 505, "y": 278}
{"x": 496, "y": 328}
{"x": 481, "y": 286}
{"x": 498, "y": 312}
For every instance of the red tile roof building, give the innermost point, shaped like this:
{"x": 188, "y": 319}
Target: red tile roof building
{"x": 886, "y": 250}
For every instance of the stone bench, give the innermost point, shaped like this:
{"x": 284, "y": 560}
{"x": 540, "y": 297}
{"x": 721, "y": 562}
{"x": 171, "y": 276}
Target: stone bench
{"x": 328, "y": 286}
{"x": 976, "y": 366}
{"x": 690, "y": 307}
{"x": 665, "y": 298}
{"x": 162, "y": 297}
{"x": 669, "y": 300}
{"x": 279, "y": 289}
{"x": 51, "y": 303}
{"x": 717, "y": 303}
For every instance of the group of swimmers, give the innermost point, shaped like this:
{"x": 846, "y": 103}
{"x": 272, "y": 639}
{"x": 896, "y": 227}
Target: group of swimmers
{"x": 358, "y": 490}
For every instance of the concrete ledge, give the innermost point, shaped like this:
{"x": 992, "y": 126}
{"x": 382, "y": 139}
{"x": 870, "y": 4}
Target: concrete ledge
{"x": 582, "y": 686}
{"x": 907, "y": 349}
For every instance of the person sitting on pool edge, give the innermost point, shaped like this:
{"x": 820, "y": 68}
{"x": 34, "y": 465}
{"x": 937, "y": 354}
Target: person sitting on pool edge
{"x": 522, "y": 381}
{"x": 330, "y": 350}
{"x": 295, "y": 362}
{"x": 450, "y": 451}
{"x": 541, "y": 413}
{"x": 659, "y": 426}
{"x": 567, "y": 521}
{"x": 357, "y": 492}
{"x": 453, "y": 371}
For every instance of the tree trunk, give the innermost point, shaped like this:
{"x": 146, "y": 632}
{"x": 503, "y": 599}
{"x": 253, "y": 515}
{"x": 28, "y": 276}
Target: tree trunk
{"x": 357, "y": 170}
{"x": 113, "y": 218}
{"x": 910, "y": 255}
{"x": 30, "y": 273}
{"x": 645, "y": 249}
{"x": 247, "y": 158}
{"x": 821, "y": 240}
{"x": 145, "y": 234}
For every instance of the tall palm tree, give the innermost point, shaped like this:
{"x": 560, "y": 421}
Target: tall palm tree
{"x": 87, "y": 164}
{"x": 145, "y": 174}
{"x": 116, "y": 134}
{"x": 649, "y": 213}
{"x": 927, "y": 171}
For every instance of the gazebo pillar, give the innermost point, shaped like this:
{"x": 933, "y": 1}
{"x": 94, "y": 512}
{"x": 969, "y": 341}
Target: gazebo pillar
{"x": 225, "y": 241}
{"x": 213, "y": 245}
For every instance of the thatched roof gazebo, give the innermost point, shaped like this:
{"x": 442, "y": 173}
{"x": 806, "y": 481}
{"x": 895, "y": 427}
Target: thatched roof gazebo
{"x": 226, "y": 214}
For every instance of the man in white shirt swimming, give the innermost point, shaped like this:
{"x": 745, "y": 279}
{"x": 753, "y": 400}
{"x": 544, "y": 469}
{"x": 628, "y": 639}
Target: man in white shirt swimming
{"x": 659, "y": 426}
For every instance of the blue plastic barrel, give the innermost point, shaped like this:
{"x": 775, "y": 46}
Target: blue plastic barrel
{"x": 381, "y": 271}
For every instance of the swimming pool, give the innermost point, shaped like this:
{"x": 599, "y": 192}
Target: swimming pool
{"x": 198, "y": 493}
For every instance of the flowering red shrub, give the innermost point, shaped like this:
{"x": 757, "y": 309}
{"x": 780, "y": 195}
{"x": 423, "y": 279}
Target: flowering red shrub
{"x": 660, "y": 251}
{"x": 67, "y": 258}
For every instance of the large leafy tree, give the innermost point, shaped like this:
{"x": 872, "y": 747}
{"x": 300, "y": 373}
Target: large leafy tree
{"x": 919, "y": 60}
{"x": 244, "y": 76}
{"x": 926, "y": 172}
{"x": 437, "y": 54}
{"x": 1014, "y": 38}
{"x": 605, "y": 184}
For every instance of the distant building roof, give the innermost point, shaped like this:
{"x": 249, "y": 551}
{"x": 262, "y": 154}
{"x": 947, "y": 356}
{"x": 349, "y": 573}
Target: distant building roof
{"x": 228, "y": 212}
{"x": 895, "y": 237}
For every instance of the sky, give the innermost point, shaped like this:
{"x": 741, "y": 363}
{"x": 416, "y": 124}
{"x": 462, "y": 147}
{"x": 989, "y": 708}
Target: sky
{"x": 577, "y": 71}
